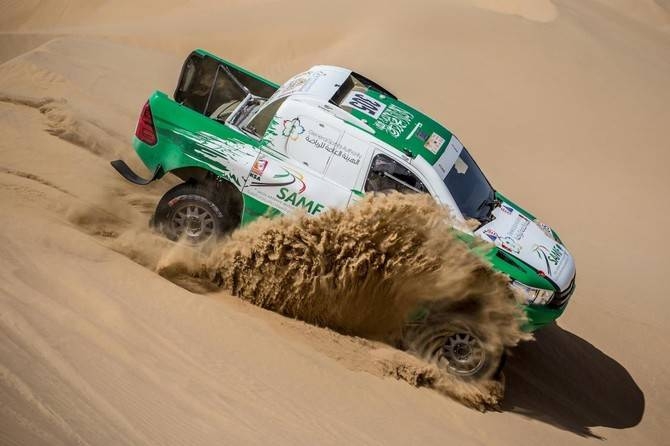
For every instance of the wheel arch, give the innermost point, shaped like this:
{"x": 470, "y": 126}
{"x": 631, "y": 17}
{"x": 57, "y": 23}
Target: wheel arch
{"x": 220, "y": 196}
{"x": 198, "y": 175}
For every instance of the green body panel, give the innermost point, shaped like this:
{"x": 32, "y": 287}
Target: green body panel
{"x": 540, "y": 316}
{"x": 185, "y": 137}
{"x": 254, "y": 209}
{"x": 401, "y": 126}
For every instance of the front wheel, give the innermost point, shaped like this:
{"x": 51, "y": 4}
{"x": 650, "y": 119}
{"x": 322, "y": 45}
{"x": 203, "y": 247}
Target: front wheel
{"x": 457, "y": 349}
{"x": 464, "y": 354}
{"x": 198, "y": 213}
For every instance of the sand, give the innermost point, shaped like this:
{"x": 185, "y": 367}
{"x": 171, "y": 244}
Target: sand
{"x": 564, "y": 103}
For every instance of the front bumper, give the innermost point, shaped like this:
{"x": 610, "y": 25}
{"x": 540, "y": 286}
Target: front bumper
{"x": 541, "y": 315}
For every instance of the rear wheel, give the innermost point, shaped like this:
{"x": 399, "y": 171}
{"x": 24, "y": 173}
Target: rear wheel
{"x": 198, "y": 213}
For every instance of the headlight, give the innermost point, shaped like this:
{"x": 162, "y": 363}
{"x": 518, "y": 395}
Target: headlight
{"x": 545, "y": 228}
{"x": 535, "y": 296}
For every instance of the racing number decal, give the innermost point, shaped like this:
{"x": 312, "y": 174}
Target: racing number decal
{"x": 366, "y": 104}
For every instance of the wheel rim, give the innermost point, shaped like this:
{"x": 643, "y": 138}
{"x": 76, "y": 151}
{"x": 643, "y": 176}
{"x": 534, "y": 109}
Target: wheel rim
{"x": 464, "y": 353}
{"x": 194, "y": 222}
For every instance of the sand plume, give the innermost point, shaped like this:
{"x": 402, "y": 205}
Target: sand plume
{"x": 367, "y": 271}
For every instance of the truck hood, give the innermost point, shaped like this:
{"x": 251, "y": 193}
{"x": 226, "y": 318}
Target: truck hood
{"x": 516, "y": 234}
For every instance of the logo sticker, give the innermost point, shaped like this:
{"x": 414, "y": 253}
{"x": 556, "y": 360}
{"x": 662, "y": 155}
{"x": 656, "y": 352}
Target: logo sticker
{"x": 434, "y": 143}
{"x": 292, "y": 177}
{"x": 551, "y": 256}
{"x": 297, "y": 200}
{"x": 282, "y": 179}
{"x": 506, "y": 209}
{"x": 292, "y": 128}
{"x": 546, "y": 229}
{"x": 519, "y": 227}
{"x": 509, "y": 244}
{"x": 259, "y": 167}
{"x": 491, "y": 234}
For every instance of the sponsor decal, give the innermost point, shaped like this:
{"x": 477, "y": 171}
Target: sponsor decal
{"x": 546, "y": 229}
{"x": 519, "y": 227}
{"x": 551, "y": 256}
{"x": 509, "y": 244}
{"x": 334, "y": 147}
{"x": 364, "y": 103}
{"x": 507, "y": 209}
{"x": 296, "y": 83}
{"x": 491, "y": 234}
{"x": 292, "y": 128}
{"x": 220, "y": 155}
{"x": 259, "y": 167}
{"x": 394, "y": 120}
{"x": 285, "y": 178}
{"x": 434, "y": 143}
{"x": 293, "y": 177}
{"x": 300, "y": 82}
{"x": 299, "y": 201}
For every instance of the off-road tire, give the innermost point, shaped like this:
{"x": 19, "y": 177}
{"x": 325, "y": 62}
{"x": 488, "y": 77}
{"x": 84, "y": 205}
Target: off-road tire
{"x": 443, "y": 346}
{"x": 198, "y": 213}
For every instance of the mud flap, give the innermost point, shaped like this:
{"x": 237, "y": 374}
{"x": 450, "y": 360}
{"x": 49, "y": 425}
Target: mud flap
{"x": 127, "y": 173}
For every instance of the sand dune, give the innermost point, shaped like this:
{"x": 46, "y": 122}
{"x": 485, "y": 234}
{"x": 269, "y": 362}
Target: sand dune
{"x": 565, "y": 105}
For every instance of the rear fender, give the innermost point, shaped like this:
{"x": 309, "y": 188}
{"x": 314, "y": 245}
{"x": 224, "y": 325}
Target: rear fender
{"x": 187, "y": 139}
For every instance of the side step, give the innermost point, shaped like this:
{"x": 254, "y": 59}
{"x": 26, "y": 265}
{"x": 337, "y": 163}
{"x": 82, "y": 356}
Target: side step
{"x": 127, "y": 173}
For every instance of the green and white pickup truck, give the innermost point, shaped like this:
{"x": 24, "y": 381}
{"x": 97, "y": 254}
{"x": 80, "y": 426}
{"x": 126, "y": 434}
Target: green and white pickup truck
{"x": 247, "y": 147}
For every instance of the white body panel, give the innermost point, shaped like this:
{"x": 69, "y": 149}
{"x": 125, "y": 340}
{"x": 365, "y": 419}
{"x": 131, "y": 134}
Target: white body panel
{"x": 321, "y": 81}
{"x": 516, "y": 234}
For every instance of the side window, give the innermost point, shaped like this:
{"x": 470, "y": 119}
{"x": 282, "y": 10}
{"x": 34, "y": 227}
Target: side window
{"x": 388, "y": 174}
{"x": 309, "y": 142}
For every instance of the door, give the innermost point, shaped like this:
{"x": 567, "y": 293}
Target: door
{"x": 289, "y": 185}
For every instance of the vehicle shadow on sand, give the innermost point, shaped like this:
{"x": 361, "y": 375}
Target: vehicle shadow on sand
{"x": 565, "y": 381}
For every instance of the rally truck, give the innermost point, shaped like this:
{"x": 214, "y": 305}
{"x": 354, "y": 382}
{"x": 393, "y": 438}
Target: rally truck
{"x": 247, "y": 147}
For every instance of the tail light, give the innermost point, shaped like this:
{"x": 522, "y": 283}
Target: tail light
{"x": 145, "y": 131}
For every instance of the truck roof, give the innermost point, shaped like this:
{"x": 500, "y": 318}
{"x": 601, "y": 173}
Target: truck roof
{"x": 387, "y": 118}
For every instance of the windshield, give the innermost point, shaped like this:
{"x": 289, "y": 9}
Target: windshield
{"x": 470, "y": 188}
